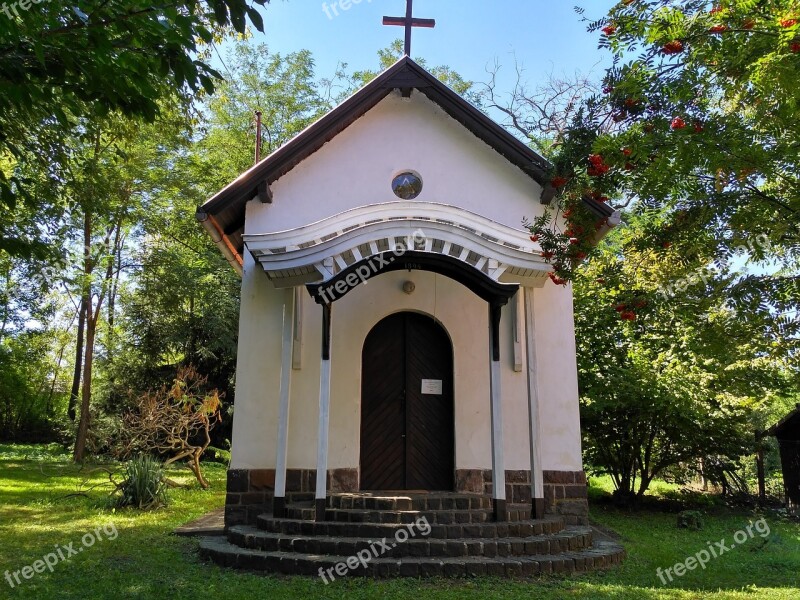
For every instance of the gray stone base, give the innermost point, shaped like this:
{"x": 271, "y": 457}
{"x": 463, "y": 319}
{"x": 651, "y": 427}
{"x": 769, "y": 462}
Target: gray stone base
{"x": 251, "y": 491}
{"x": 564, "y": 491}
{"x": 565, "y": 495}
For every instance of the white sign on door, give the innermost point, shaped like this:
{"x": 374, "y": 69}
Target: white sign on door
{"x": 432, "y": 387}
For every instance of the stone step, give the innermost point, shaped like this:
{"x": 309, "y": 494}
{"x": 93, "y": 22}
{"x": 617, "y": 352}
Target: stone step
{"x": 523, "y": 528}
{"x": 292, "y": 497}
{"x": 355, "y": 515}
{"x": 570, "y": 539}
{"x": 421, "y": 502}
{"x": 222, "y": 552}
{"x": 305, "y": 511}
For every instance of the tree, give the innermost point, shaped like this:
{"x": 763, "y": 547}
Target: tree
{"x": 33, "y": 342}
{"x": 670, "y": 374}
{"x": 283, "y": 88}
{"x": 701, "y": 123}
{"x": 181, "y": 303}
{"x": 109, "y": 179}
{"x": 61, "y": 63}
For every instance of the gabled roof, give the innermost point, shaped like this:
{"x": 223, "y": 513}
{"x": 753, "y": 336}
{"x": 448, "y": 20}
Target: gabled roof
{"x": 228, "y": 206}
{"x": 787, "y": 428}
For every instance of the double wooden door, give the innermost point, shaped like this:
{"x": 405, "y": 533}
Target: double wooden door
{"x": 407, "y": 415}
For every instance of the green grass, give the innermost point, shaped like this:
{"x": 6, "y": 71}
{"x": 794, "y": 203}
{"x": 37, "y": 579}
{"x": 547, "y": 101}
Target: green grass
{"x": 39, "y": 510}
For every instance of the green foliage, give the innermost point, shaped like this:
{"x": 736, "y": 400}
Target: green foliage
{"x": 690, "y": 519}
{"x": 144, "y": 486}
{"x": 388, "y": 56}
{"x": 62, "y": 63}
{"x": 283, "y": 88}
{"x": 667, "y": 379}
{"x": 698, "y": 117}
{"x": 30, "y": 393}
{"x": 687, "y": 319}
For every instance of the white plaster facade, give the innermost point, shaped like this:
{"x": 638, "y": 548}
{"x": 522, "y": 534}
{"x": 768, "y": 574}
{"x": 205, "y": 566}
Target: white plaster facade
{"x": 353, "y": 170}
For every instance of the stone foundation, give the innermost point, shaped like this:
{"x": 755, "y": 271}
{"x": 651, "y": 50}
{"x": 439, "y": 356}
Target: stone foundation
{"x": 251, "y": 491}
{"x": 565, "y": 495}
{"x": 564, "y": 491}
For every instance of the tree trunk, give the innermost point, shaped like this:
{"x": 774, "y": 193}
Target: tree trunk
{"x": 56, "y": 371}
{"x": 91, "y": 326}
{"x": 76, "y": 374}
{"x": 86, "y": 396}
{"x": 116, "y": 268}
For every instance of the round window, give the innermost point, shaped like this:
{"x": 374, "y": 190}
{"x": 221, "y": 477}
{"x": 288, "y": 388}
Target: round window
{"x": 407, "y": 185}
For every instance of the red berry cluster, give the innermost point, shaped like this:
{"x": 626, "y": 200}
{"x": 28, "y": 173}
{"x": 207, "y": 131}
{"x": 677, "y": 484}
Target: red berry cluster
{"x": 597, "y": 166}
{"x": 598, "y": 197}
{"x": 718, "y": 29}
{"x": 673, "y": 47}
{"x": 627, "y": 312}
{"x": 558, "y": 182}
{"x": 678, "y": 123}
{"x": 609, "y": 30}
{"x": 624, "y": 313}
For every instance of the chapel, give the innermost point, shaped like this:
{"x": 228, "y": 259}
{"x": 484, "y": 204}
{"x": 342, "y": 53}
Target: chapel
{"x": 402, "y": 352}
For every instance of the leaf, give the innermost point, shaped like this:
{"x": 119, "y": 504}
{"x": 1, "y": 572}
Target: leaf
{"x": 255, "y": 17}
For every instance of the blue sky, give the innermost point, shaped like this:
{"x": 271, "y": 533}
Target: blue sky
{"x": 545, "y": 36}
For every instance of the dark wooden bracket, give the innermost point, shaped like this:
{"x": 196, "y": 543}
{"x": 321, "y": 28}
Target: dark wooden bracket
{"x": 495, "y": 314}
{"x": 326, "y": 331}
{"x": 264, "y": 193}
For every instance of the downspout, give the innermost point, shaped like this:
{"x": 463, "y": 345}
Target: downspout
{"x": 613, "y": 221}
{"x": 222, "y": 241}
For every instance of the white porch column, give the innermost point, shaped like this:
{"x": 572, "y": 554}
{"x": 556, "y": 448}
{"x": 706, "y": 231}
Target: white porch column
{"x": 287, "y": 339}
{"x": 537, "y": 481}
{"x": 498, "y": 458}
{"x": 324, "y": 415}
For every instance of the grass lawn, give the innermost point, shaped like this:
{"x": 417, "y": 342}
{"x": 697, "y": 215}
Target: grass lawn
{"x": 145, "y": 561}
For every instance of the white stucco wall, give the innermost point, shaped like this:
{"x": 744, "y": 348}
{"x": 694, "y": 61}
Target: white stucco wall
{"x": 558, "y": 379}
{"x": 354, "y": 169}
{"x": 465, "y": 318}
{"x": 255, "y": 414}
{"x": 357, "y": 167}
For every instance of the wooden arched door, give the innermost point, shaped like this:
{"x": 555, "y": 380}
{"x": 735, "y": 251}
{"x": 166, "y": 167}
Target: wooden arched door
{"x": 407, "y": 414}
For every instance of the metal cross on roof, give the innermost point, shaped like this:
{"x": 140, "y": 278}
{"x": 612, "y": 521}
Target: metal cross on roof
{"x": 409, "y": 22}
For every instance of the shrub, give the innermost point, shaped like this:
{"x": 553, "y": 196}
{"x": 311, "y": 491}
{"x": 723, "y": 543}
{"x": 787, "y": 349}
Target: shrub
{"x": 144, "y": 486}
{"x": 173, "y": 421}
{"x": 690, "y": 519}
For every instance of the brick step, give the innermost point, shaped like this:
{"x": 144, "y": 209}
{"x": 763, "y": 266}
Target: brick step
{"x": 222, "y": 552}
{"x": 570, "y": 539}
{"x": 305, "y": 511}
{"x": 293, "y": 497}
{"x": 421, "y": 502}
{"x": 355, "y": 515}
{"x": 526, "y": 528}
